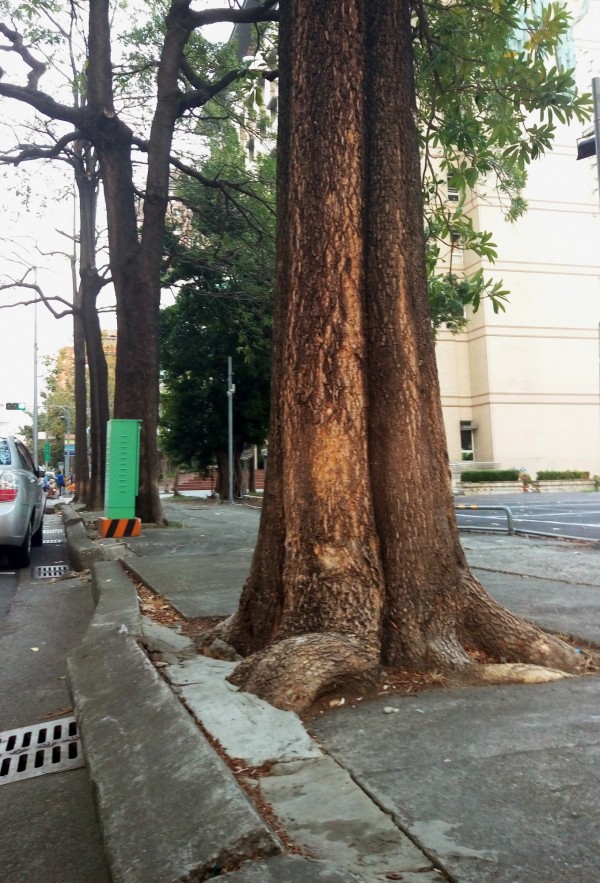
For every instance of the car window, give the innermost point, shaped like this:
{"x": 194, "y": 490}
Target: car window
{"x": 25, "y": 456}
{"x": 4, "y": 452}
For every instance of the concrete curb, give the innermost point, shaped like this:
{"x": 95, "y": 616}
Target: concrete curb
{"x": 83, "y": 552}
{"x": 169, "y": 808}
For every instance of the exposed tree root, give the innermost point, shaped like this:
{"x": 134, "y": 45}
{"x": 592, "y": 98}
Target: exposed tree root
{"x": 511, "y": 639}
{"x": 513, "y": 673}
{"x": 292, "y": 674}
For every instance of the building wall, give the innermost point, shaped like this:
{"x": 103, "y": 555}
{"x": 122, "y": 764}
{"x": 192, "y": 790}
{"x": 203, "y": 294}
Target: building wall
{"x": 529, "y": 377}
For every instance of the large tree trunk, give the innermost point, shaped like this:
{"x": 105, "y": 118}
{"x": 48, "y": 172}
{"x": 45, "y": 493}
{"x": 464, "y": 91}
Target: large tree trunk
{"x": 135, "y": 270}
{"x": 422, "y": 557}
{"x": 81, "y": 471}
{"x": 99, "y": 408}
{"x": 358, "y": 559}
{"x": 317, "y": 567}
{"x": 90, "y": 285}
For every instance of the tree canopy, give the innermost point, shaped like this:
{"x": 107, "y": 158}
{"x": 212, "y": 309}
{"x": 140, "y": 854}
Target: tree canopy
{"x": 219, "y": 259}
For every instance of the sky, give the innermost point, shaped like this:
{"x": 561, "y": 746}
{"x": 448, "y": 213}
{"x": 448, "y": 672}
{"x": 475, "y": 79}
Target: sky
{"x": 18, "y": 325}
{"x": 33, "y": 215}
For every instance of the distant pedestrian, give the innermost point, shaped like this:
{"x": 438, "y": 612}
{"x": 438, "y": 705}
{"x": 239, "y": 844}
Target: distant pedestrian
{"x": 60, "y": 481}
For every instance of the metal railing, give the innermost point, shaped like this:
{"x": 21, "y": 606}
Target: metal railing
{"x": 463, "y": 507}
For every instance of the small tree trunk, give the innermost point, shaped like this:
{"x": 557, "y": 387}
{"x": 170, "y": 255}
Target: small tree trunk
{"x": 176, "y": 481}
{"x": 251, "y": 476}
{"x": 222, "y": 485}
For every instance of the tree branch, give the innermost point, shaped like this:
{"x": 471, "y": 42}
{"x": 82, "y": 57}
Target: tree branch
{"x": 265, "y": 12}
{"x": 36, "y": 152}
{"x": 202, "y": 95}
{"x": 47, "y": 301}
{"x": 37, "y": 68}
{"x": 42, "y": 102}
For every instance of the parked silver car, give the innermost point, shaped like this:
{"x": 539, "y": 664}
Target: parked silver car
{"x": 22, "y": 500}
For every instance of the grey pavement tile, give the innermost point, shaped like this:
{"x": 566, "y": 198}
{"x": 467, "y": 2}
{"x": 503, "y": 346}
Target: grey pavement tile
{"x": 500, "y": 783}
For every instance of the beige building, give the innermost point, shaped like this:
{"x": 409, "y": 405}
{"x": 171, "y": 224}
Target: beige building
{"x": 522, "y": 388}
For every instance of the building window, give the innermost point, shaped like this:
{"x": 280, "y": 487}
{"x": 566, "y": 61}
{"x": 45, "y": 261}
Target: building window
{"x": 456, "y": 244}
{"x": 467, "y": 439}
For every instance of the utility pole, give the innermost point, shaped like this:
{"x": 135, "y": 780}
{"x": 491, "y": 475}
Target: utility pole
{"x": 588, "y": 145}
{"x": 596, "y": 98}
{"x": 230, "y": 392}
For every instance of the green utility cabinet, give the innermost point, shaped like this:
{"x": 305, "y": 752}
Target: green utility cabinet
{"x": 122, "y": 467}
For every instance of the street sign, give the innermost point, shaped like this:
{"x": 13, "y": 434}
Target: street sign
{"x": 46, "y": 452}
{"x": 586, "y": 147}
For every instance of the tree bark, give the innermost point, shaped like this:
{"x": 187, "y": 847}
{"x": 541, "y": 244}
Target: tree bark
{"x": 135, "y": 271}
{"x": 81, "y": 471}
{"x": 90, "y": 285}
{"x": 222, "y": 485}
{"x": 422, "y": 557}
{"x": 317, "y": 565}
{"x": 358, "y": 560}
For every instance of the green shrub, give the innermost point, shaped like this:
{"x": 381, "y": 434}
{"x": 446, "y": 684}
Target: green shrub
{"x": 490, "y": 475}
{"x": 561, "y": 475}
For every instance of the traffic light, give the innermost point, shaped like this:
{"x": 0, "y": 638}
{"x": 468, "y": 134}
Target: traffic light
{"x": 15, "y": 406}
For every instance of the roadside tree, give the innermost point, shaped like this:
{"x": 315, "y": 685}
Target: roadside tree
{"x": 135, "y": 254}
{"x": 219, "y": 261}
{"x": 358, "y": 561}
{"x": 46, "y": 25}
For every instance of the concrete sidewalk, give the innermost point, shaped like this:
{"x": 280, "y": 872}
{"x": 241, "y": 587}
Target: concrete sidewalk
{"x": 483, "y": 784}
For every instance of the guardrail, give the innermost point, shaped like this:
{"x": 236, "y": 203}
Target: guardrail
{"x": 460, "y": 507}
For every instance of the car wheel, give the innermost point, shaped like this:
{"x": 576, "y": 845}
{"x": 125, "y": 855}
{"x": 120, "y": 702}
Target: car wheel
{"x": 38, "y": 537}
{"x": 23, "y": 554}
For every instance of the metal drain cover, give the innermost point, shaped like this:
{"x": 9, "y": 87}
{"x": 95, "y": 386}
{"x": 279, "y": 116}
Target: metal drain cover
{"x": 47, "y": 571}
{"x": 40, "y": 749}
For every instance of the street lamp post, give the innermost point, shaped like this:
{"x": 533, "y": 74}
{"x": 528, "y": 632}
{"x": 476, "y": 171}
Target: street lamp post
{"x": 34, "y": 428}
{"x": 230, "y": 392}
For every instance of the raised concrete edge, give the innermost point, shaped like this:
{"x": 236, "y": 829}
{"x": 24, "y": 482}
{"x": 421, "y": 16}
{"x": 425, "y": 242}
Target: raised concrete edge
{"x": 82, "y": 551}
{"x": 169, "y": 808}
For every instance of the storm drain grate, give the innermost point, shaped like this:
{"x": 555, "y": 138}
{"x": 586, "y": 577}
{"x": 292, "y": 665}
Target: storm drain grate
{"x": 47, "y": 571}
{"x": 40, "y": 749}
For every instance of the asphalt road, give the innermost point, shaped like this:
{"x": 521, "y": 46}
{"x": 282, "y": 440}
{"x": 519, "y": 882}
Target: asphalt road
{"x": 49, "y": 831}
{"x": 575, "y": 516}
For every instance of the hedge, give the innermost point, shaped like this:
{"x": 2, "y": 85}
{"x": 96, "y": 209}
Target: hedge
{"x": 490, "y": 475}
{"x": 565, "y": 475}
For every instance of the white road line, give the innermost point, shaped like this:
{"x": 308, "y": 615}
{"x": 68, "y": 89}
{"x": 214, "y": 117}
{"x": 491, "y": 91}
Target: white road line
{"x": 562, "y": 523}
